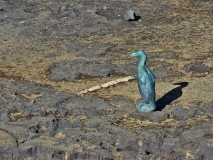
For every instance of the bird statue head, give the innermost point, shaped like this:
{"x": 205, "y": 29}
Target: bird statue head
{"x": 140, "y": 54}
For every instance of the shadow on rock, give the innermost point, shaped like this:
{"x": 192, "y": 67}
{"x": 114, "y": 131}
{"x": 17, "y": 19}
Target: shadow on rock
{"x": 170, "y": 96}
{"x": 136, "y": 17}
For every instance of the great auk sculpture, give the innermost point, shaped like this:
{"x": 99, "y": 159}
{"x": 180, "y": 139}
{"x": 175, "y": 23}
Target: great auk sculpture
{"x": 146, "y": 83}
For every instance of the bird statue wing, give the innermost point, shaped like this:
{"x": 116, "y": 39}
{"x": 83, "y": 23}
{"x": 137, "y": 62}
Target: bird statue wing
{"x": 151, "y": 74}
{"x": 142, "y": 80}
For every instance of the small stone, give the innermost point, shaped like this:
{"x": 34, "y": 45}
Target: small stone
{"x": 129, "y": 15}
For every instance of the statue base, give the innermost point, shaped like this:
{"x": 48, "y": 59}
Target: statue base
{"x": 145, "y": 107}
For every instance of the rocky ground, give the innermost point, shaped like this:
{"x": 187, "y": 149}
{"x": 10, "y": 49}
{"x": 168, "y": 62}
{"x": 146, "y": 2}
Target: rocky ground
{"x": 51, "y": 50}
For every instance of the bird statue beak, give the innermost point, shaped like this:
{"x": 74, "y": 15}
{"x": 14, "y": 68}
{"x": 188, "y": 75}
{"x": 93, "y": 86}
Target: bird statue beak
{"x": 133, "y": 55}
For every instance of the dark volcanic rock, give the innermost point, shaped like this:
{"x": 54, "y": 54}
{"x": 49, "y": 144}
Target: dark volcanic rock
{"x": 157, "y": 116}
{"x": 90, "y": 127}
{"x": 197, "y": 67}
{"x": 71, "y": 70}
{"x": 97, "y": 49}
{"x": 127, "y": 155}
{"x": 75, "y": 69}
{"x": 55, "y": 8}
{"x": 39, "y": 122}
{"x": 166, "y": 55}
{"x": 5, "y": 117}
{"x": 180, "y": 113}
{"x": 162, "y": 63}
{"x": 163, "y": 72}
{"x": 209, "y": 107}
{"x": 94, "y": 50}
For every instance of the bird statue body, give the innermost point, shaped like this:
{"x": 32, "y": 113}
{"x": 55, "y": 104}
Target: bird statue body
{"x": 146, "y": 83}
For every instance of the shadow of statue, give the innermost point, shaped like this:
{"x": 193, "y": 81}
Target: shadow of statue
{"x": 136, "y": 17}
{"x": 170, "y": 96}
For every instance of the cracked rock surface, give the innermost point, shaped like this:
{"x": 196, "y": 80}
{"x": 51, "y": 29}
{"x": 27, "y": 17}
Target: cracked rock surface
{"x": 51, "y": 50}
{"x": 45, "y": 123}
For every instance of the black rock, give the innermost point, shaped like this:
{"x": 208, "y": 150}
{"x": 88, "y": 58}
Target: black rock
{"x": 197, "y": 67}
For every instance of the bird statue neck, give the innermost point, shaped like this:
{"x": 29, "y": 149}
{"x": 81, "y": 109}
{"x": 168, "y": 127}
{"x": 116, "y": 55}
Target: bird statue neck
{"x": 142, "y": 62}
